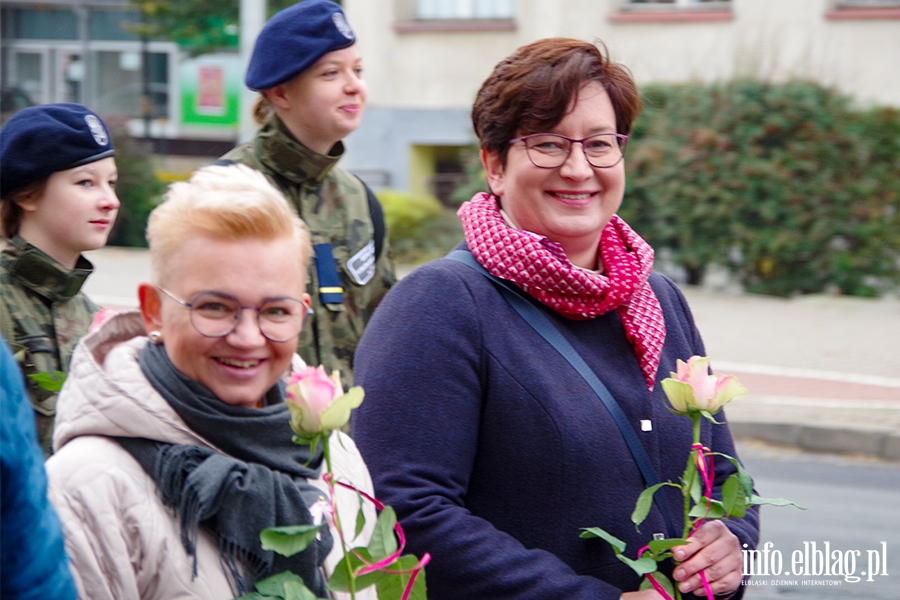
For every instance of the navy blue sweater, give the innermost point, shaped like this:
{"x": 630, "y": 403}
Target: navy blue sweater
{"x": 495, "y": 453}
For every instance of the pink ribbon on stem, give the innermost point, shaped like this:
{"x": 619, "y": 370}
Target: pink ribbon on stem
{"x": 705, "y": 468}
{"x": 381, "y": 564}
{"x": 656, "y": 586}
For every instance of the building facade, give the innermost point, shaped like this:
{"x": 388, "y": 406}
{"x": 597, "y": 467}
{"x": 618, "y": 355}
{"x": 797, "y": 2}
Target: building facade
{"x": 84, "y": 51}
{"x": 424, "y": 60}
{"x": 90, "y": 51}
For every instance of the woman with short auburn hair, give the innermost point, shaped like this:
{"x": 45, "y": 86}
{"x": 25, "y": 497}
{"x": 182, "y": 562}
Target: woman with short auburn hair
{"x": 533, "y": 89}
{"x": 491, "y": 448}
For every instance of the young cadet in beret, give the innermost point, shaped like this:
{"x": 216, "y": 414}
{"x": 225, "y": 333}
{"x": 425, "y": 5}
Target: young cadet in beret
{"x": 308, "y": 72}
{"x": 57, "y": 200}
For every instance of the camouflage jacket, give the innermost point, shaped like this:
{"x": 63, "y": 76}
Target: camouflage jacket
{"x": 334, "y": 205}
{"x": 43, "y": 314}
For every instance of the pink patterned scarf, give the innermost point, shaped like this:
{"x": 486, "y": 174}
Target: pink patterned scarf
{"x": 541, "y": 268}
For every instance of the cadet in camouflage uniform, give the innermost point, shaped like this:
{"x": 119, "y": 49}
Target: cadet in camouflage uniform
{"x": 57, "y": 199}
{"x": 308, "y": 69}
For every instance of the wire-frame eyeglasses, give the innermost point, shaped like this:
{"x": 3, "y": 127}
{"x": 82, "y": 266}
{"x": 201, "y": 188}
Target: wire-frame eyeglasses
{"x": 216, "y": 314}
{"x": 551, "y": 150}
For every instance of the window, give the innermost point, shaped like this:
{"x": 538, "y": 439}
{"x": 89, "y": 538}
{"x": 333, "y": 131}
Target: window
{"x": 111, "y": 24}
{"x": 465, "y": 9}
{"x": 867, "y": 3}
{"x": 677, "y": 4}
{"x": 653, "y": 11}
{"x": 40, "y": 24}
{"x": 455, "y": 16}
{"x": 863, "y": 9}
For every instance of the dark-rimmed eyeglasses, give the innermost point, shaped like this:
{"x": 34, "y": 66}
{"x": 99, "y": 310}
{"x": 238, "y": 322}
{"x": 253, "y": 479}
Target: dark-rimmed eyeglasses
{"x": 216, "y": 314}
{"x": 550, "y": 150}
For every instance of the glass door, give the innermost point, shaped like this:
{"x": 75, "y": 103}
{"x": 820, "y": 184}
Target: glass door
{"x": 70, "y": 77}
{"x": 30, "y": 72}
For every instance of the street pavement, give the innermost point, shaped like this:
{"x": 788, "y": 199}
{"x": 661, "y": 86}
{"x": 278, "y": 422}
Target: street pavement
{"x": 823, "y": 371}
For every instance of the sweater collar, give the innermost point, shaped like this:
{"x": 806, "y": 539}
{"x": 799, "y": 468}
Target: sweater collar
{"x": 42, "y": 274}
{"x": 289, "y": 158}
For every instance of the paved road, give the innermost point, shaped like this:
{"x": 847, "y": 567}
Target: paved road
{"x": 851, "y": 505}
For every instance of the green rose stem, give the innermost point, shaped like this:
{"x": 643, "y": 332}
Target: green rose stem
{"x": 689, "y": 480}
{"x": 691, "y": 473}
{"x": 318, "y": 407}
{"x": 326, "y": 450}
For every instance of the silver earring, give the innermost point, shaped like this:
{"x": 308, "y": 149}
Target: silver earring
{"x": 155, "y": 337}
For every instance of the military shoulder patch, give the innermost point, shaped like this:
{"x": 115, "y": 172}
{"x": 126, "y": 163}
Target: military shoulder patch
{"x": 362, "y": 264}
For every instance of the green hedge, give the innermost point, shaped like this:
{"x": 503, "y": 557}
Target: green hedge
{"x": 785, "y": 185}
{"x": 138, "y": 189}
{"x": 420, "y": 228}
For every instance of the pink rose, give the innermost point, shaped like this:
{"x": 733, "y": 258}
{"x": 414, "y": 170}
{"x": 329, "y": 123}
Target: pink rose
{"x": 692, "y": 388}
{"x": 318, "y": 402}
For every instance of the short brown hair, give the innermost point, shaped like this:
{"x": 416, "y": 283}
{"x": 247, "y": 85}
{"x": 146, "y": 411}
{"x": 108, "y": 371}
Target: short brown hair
{"x": 533, "y": 89}
{"x": 11, "y": 212}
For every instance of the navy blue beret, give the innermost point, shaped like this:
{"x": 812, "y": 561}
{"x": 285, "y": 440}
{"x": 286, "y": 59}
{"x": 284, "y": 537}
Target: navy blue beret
{"x": 40, "y": 140}
{"x": 293, "y": 39}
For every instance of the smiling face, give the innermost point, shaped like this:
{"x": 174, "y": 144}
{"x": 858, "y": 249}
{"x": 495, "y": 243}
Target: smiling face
{"x": 570, "y": 204}
{"x": 242, "y": 366}
{"x": 325, "y": 103}
{"x": 75, "y": 213}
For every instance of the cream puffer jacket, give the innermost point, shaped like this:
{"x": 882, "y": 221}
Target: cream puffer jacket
{"x": 124, "y": 544}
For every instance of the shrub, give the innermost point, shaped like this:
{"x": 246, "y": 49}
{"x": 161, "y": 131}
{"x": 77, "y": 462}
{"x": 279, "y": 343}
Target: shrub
{"x": 785, "y": 185}
{"x": 475, "y": 181}
{"x": 420, "y": 228}
{"x": 138, "y": 190}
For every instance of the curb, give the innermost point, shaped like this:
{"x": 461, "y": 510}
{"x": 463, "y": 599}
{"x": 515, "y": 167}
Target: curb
{"x": 879, "y": 442}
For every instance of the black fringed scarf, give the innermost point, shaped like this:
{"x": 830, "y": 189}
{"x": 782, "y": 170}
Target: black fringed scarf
{"x": 258, "y": 480}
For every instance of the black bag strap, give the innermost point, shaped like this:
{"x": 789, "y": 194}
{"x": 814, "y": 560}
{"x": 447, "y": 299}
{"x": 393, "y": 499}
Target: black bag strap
{"x": 376, "y": 213}
{"x": 549, "y": 332}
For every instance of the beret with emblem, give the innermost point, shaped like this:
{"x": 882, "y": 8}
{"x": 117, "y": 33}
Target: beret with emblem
{"x": 40, "y": 140}
{"x": 293, "y": 39}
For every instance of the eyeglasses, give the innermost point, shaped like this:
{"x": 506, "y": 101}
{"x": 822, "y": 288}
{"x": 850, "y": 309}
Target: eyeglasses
{"x": 215, "y": 314}
{"x": 550, "y": 151}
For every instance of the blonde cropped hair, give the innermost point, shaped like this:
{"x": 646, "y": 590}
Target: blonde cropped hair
{"x": 228, "y": 202}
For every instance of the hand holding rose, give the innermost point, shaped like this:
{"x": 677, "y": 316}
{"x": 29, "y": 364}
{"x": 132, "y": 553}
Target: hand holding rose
{"x": 716, "y": 551}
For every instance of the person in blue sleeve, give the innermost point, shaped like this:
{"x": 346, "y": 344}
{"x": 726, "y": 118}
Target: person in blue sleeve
{"x": 33, "y": 561}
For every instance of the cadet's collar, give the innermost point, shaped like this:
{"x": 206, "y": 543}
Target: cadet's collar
{"x": 42, "y": 274}
{"x": 279, "y": 150}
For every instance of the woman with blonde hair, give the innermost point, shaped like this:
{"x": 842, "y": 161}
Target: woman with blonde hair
{"x": 173, "y": 442}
